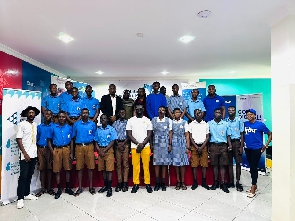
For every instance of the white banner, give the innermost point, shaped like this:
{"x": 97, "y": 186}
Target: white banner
{"x": 14, "y": 102}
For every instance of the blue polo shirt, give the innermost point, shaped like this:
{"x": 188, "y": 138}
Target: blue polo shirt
{"x": 219, "y": 131}
{"x": 66, "y": 97}
{"x": 84, "y": 131}
{"x": 176, "y": 102}
{"x": 193, "y": 105}
{"x": 211, "y": 103}
{"x": 52, "y": 103}
{"x": 253, "y": 136}
{"x": 153, "y": 102}
{"x": 237, "y": 127}
{"x": 120, "y": 127}
{"x": 104, "y": 136}
{"x": 92, "y": 104}
{"x": 74, "y": 107}
{"x": 43, "y": 131}
{"x": 61, "y": 135}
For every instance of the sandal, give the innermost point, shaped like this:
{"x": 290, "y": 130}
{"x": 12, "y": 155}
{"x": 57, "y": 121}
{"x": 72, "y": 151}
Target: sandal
{"x": 239, "y": 187}
{"x": 51, "y": 192}
{"x": 40, "y": 193}
{"x": 177, "y": 187}
{"x": 251, "y": 195}
{"x": 249, "y": 190}
{"x": 78, "y": 192}
{"x": 92, "y": 191}
{"x": 183, "y": 186}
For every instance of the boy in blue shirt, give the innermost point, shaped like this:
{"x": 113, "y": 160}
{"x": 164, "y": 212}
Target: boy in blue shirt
{"x": 92, "y": 104}
{"x": 74, "y": 107}
{"x": 154, "y": 101}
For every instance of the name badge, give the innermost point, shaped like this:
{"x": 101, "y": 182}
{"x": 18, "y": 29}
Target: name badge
{"x": 108, "y": 136}
{"x": 217, "y": 100}
{"x": 69, "y": 135}
{"x": 90, "y": 131}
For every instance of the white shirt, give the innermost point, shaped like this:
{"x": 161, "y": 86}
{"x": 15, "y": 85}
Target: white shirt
{"x": 114, "y": 104}
{"x": 163, "y": 120}
{"x": 139, "y": 128}
{"x": 199, "y": 131}
{"x": 28, "y": 132}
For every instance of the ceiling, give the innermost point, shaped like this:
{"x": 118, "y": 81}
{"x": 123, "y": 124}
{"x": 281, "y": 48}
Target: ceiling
{"x": 233, "y": 42}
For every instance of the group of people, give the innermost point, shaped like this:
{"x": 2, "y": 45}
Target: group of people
{"x": 153, "y": 123}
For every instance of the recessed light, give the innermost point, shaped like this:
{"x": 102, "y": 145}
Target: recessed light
{"x": 139, "y": 34}
{"x": 99, "y": 72}
{"x": 65, "y": 38}
{"x": 232, "y": 72}
{"x": 204, "y": 14}
{"x": 187, "y": 38}
{"x": 165, "y": 72}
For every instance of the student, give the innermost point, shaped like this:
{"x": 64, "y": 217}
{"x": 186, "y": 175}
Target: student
{"x": 52, "y": 102}
{"x": 127, "y": 104}
{"x": 199, "y": 137}
{"x": 139, "y": 130}
{"x": 122, "y": 151}
{"x": 254, "y": 147}
{"x": 180, "y": 145}
{"x": 140, "y": 100}
{"x": 220, "y": 144}
{"x": 66, "y": 96}
{"x": 44, "y": 153}
{"x": 84, "y": 132}
{"x": 92, "y": 104}
{"x": 74, "y": 107}
{"x": 26, "y": 141}
{"x": 154, "y": 101}
{"x": 162, "y": 127}
{"x": 105, "y": 138}
{"x": 193, "y": 104}
{"x": 237, "y": 140}
{"x": 176, "y": 101}
{"x": 59, "y": 139}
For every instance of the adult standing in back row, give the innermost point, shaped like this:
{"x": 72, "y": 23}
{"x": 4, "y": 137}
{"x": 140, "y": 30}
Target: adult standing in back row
{"x": 211, "y": 102}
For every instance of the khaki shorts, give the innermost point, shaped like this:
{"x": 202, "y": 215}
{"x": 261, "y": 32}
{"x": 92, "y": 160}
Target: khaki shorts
{"x": 107, "y": 162}
{"x": 218, "y": 154}
{"x": 61, "y": 157}
{"x": 44, "y": 158}
{"x": 234, "y": 153}
{"x": 199, "y": 159}
{"x": 85, "y": 154}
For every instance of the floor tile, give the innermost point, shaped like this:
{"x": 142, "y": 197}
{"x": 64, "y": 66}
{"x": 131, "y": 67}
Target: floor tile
{"x": 141, "y": 217}
{"x": 187, "y": 202}
{"x": 260, "y": 207}
{"x": 233, "y": 198}
{"x": 84, "y": 217}
{"x": 10, "y": 212}
{"x": 196, "y": 216}
{"x": 247, "y": 216}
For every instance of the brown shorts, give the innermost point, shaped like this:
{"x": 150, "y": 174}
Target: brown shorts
{"x": 85, "y": 154}
{"x": 107, "y": 162}
{"x": 199, "y": 159}
{"x": 218, "y": 154}
{"x": 61, "y": 157}
{"x": 44, "y": 158}
{"x": 234, "y": 153}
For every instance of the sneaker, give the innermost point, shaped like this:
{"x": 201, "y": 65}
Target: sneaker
{"x": 214, "y": 186}
{"x": 149, "y": 188}
{"x": 57, "y": 194}
{"x": 69, "y": 191}
{"x": 194, "y": 186}
{"x": 135, "y": 188}
{"x": 30, "y": 197}
{"x": 109, "y": 192}
{"x": 20, "y": 204}
{"x": 223, "y": 186}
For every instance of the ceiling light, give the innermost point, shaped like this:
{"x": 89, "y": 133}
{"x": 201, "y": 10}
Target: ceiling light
{"x": 65, "y": 38}
{"x": 204, "y": 14}
{"x": 187, "y": 38}
{"x": 139, "y": 34}
{"x": 99, "y": 72}
{"x": 165, "y": 72}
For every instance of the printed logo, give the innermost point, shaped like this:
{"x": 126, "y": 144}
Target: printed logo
{"x": 7, "y": 166}
{"x": 13, "y": 118}
{"x": 249, "y": 130}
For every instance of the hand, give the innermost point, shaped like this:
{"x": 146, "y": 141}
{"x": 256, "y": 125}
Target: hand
{"x": 263, "y": 148}
{"x": 169, "y": 148}
{"x": 71, "y": 157}
{"x": 113, "y": 118}
{"x": 27, "y": 157}
{"x": 121, "y": 147}
{"x": 241, "y": 150}
{"x": 139, "y": 147}
{"x": 230, "y": 148}
{"x": 200, "y": 149}
{"x": 102, "y": 152}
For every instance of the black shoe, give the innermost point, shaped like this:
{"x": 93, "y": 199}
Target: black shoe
{"x": 194, "y": 186}
{"x": 69, "y": 191}
{"x": 205, "y": 186}
{"x": 214, "y": 186}
{"x": 119, "y": 187}
{"x": 57, "y": 194}
{"x": 149, "y": 188}
{"x": 110, "y": 192}
{"x": 163, "y": 187}
{"x": 125, "y": 187}
{"x": 231, "y": 185}
{"x": 157, "y": 187}
{"x": 135, "y": 188}
{"x": 103, "y": 189}
{"x": 223, "y": 186}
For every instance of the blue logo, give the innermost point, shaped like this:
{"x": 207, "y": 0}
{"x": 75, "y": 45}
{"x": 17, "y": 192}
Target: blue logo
{"x": 13, "y": 118}
{"x": 8, "y": 143}
{"x": 8, "y": 166}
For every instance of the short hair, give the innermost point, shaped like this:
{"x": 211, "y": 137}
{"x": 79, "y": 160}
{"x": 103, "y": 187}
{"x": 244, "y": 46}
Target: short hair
{"x": 163, "y": 87}
{"x": 69, "y": 82}
{"x": 126, "y": 90}
{"x": 156, "y": 82}
{"x": 232, "y": 107}
{"x": 176, "y": 109}
{"x": 198, "y": 109}
{"x": 162, "y": 107}
{"x": 88, "y": 86}
{"x": 141, "y": 88}
{"x": 195, "y": 89}
{"x": 216, "y": 109}
{"x": 61, "y": 112}
{"x": 112, "y": 85}
{"x": 175, "y": 85}
{"x": 211, "y": 85}
{"x": 104, "y": 115}
{"x": 84, "y": 109}
{"x": 75, "y": 88}
{"x": 121, "y": 109}
{"x": 47, "y": 110}
{"x": 52, "y": 85}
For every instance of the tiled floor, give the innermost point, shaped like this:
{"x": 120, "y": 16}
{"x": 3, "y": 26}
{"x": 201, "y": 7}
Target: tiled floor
{"x": 201, "y": 204}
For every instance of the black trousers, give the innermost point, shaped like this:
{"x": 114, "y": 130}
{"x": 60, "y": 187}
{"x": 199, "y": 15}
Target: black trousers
{"x": 253, "y": 157}
{"x": 25, "y": 177}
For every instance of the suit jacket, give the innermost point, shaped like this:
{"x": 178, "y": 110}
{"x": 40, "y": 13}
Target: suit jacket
{"x": 106, "y": 105}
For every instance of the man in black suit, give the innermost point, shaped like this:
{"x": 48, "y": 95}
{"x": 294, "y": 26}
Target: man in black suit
{"x": 111, "y": 104}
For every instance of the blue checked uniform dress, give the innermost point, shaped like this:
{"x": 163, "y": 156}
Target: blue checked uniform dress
{"x": 179, "y": 157}
{"x": 161, "y": 142}
{"x": 120, "y": 127}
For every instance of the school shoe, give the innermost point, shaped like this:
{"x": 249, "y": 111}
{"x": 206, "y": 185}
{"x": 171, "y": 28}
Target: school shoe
{"x": 30, "y": 197}
{"x": 157, "y": 187}
{"x": 109, "y": 192}
{"x": 149, "y": 188}
{"x": 194, "y": 186}
{"x": 125, "y": 187}
{"x": 163, "y": 187}
{"x": 223, "y": 186}
{"x": 57, "y": 194}
{"x": 103, "y": 189}
{"x": 205, "y": 186}
{"x": 20, "y": 204}
{"x": 69, "y": 191}
{"x": 231, "y": 185}
{"x": 119, "y": 187}
{"x": 214, "y": 186}
{"x": 135, "y": 188}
